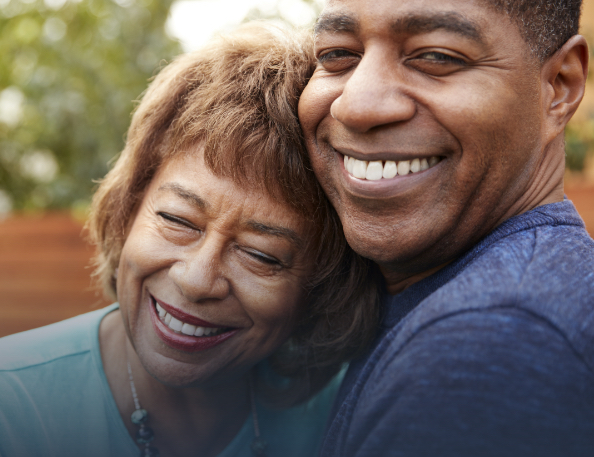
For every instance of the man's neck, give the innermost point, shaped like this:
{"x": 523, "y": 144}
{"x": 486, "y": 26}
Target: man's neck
{"x": 396, "y": 282}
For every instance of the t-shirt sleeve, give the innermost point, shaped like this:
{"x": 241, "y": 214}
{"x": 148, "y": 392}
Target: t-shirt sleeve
{"x": 498, "y": 382}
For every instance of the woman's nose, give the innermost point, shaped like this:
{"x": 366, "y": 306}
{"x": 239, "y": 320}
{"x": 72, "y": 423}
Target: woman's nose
{"x": 373, "y": 96}
{"x": 199, "y": 272}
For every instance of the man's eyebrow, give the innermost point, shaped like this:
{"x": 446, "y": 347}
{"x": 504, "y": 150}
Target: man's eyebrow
{"x": 450, "y": 21}
{"x": 274, "y": 230}
{"x": 333, "y": 22}
{"x": 184, "y": 193}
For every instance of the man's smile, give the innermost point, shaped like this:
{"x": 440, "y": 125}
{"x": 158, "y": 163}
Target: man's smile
{"x": 386, "y": 173}
{"x": 375, "y": 170}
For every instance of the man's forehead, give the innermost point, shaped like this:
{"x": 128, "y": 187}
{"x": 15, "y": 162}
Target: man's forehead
{"x": 406, "y": 16}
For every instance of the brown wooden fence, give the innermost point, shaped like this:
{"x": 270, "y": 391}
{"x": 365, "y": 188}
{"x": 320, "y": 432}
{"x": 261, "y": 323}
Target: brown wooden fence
{"x": 44, "y": 274}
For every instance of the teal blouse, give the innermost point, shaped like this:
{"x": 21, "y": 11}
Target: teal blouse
{"x": 55, "y": 401}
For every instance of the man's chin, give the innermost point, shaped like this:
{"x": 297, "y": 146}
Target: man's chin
{"x": 404, "y": 250}
{"x": 383, "y": 250}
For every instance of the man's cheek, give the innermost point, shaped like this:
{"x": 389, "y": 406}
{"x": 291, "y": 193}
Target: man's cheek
{"x": 314, "y": 105}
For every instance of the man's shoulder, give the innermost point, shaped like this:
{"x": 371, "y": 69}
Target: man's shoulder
{"x": 548, "y": 246}
{"x": 530, "y": 268}
{"x": 38, "y": 347}
{"x": 545, "y": 273}
{"x": 543, "y": 254}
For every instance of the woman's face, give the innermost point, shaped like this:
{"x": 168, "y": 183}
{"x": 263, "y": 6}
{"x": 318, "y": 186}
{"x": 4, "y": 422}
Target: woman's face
{"x": 211, "y": 277}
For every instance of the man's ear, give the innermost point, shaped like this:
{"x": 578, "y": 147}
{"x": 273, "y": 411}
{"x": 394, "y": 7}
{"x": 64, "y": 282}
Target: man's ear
{"x": 563, "y": 77}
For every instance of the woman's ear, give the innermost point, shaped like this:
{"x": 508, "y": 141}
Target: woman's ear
{"x": 563, "y": 77}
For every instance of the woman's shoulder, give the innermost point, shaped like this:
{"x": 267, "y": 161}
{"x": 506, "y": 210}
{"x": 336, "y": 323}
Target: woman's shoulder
{"x": 41, "y": 346}
{"x": 299, "y": 430}
{"x": 288, "y": 432}
{"x": 54, "y": 397}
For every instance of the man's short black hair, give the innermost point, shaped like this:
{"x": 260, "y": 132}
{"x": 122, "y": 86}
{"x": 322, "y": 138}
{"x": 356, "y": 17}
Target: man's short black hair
{"x": 545, "y": 24}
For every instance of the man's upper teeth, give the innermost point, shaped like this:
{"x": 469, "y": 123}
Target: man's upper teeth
{"x": 184, "y": 327}
{"x": 377, "y": 169}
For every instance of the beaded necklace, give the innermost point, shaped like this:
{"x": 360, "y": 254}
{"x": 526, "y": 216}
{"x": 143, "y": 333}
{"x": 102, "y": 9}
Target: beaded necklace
{"x": 145, "y": 434}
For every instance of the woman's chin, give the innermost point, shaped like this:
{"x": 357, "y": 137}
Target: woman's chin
{"x": 172, "y": 372}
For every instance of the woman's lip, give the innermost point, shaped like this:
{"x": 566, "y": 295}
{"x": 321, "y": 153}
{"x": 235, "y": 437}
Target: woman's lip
{"x": 184, "y": 342}
{"x": 184, "y": 317}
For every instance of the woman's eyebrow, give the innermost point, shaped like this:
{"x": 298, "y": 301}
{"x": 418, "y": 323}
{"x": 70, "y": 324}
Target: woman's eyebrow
{"x": 276, "y": 230}
{"x": 185, "y": 193}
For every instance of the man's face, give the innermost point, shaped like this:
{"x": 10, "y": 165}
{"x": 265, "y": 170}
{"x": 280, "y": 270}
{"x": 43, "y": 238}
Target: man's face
{"x": 444, "y": 94}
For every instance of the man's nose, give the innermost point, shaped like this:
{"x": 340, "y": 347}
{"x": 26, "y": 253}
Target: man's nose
{"x": 373, "y": 96}
{"x": 198, "y": 274}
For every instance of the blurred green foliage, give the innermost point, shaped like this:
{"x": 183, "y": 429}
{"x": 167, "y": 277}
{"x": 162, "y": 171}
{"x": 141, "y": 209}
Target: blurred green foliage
{"x": 69, "y": 73}
{"x": 579, "y": 143}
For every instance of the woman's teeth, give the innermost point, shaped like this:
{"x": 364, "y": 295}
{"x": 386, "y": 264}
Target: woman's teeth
{"x": 185, "y": 328}
{"x": 378, "y": 169}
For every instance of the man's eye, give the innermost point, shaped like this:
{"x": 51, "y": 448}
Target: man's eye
{"x": 334, "y": 55}
{"x": 435, "y": 63}
{"x": 337, "y": 60}
{"x": 440, "y": 57}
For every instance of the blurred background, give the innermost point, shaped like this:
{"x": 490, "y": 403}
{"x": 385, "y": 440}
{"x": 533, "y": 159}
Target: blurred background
{"x": 70, "y": 72}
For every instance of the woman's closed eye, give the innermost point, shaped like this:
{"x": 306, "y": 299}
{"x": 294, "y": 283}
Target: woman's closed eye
{"x": 177, "y": 220}
{"x": 264, "y": 258}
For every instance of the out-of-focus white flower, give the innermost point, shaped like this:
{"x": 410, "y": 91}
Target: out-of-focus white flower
{"x": 11, "y": 106}
{"x": 54, "y": 29}
{"x": 5, "y": 204}
{"x": 54, "y": 4}
{"x": 41, "y": 166}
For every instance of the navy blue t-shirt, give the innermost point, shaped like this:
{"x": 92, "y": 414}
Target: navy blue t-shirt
{"x": 491, "y": 356}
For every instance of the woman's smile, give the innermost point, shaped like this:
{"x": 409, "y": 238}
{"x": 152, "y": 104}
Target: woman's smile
{"x": 182, "y": 335}
{"x": 181, "y": 322}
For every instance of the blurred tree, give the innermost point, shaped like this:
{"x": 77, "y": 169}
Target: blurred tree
{"x": 579, "y": 143}
{"x": 69, "y": 72}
